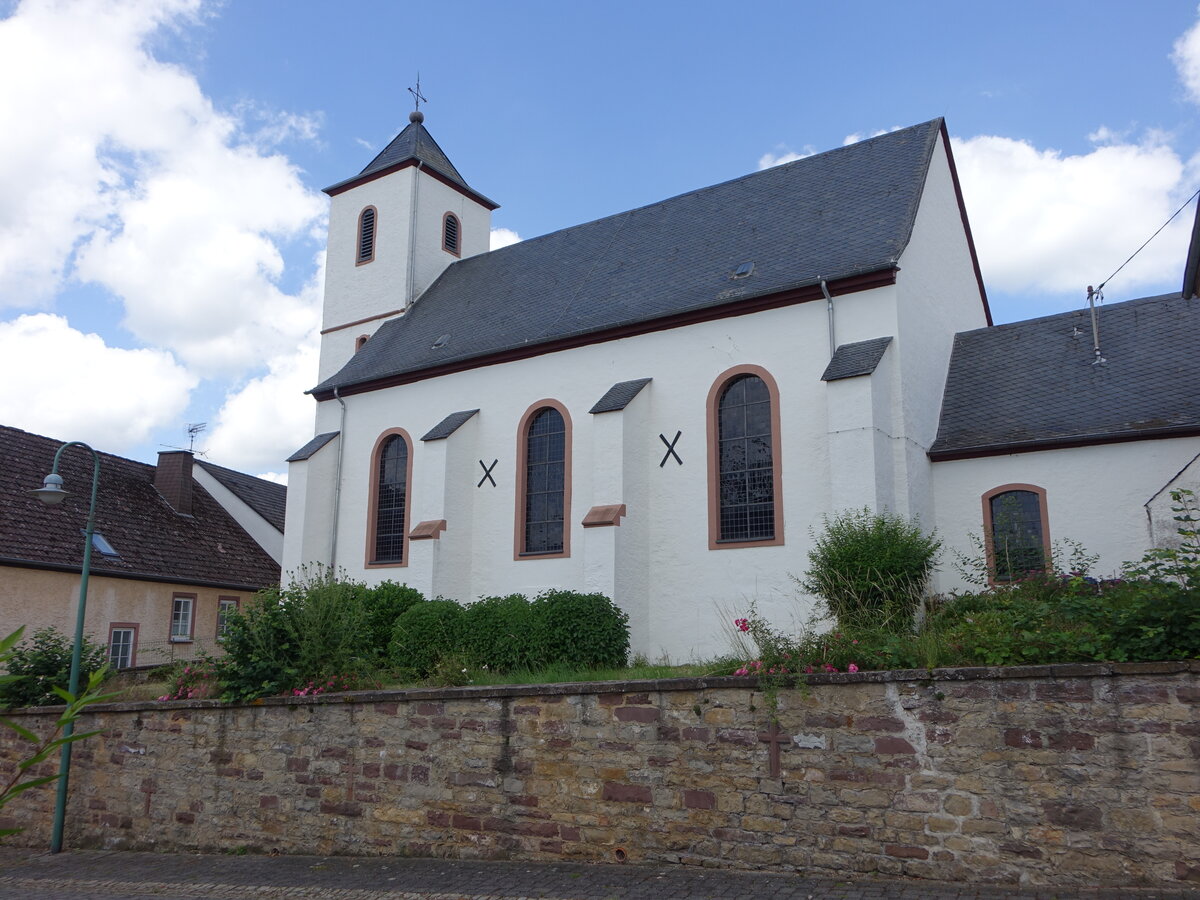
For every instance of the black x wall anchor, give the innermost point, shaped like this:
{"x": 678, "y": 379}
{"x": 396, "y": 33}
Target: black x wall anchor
{"x": 487, "y": 473}
{"x": 670, "y": 445}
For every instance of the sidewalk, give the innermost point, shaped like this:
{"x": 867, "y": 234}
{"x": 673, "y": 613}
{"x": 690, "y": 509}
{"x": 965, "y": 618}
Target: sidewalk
{"x": 102, "y": 875}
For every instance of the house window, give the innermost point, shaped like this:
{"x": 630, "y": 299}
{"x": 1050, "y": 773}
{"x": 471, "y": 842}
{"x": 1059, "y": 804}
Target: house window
{"x": 225, "y": 605}
{"x": 745, "y": 501}
{"x": 387, "y": 538}
{"x": 450, "y": 234}
{"x": 544, "y": 481}
{"x": 182, "y": 621}
{"x": 122, "y": 645}
{"x": 1017, "y": 530}
{"x": 366, "y": 235}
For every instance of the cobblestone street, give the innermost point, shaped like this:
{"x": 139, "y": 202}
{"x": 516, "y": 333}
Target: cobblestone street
{"x": 84, "y": 875}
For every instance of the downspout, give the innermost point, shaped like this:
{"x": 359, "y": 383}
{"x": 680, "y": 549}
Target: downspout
{"x": 337, "y": 484}
{"x": 829, "y": 311}
{"x": 412, "y": 236}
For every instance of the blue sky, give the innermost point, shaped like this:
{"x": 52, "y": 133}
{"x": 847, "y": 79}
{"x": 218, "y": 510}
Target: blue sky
{"x": 162, "y": 162}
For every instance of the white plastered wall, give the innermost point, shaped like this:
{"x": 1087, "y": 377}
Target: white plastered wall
{"x": 1094, "y": 495}
{"x": 677, "y": 591}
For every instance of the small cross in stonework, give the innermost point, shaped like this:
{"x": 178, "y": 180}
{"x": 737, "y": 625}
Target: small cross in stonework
{"x": 418, "y": 97}
{"x": 775, "y": 739}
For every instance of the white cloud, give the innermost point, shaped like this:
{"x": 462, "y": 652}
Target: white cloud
{"x": 137, "y": 183}
{"x": 767, "y": 160}
{"x": 1186, "y": 56}
{"x": 859, "y": 136}
{"x": 1045, "y": 221}
{"x": 502, "y": 237}
{"x": 62, "y": 383}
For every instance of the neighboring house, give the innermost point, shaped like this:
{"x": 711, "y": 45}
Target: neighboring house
{"x": 169, "y": 558}
{"x": 663, "y": 404}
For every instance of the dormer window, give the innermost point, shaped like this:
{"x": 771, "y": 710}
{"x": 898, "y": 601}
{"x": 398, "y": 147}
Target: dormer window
{"x": 361, "y": 341}
{"x": 450, "y": 234}
{"x": 366, "y": 235}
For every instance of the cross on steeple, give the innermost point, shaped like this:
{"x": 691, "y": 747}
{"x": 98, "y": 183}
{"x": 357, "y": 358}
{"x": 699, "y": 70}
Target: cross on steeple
{"x": 418, "y": 97}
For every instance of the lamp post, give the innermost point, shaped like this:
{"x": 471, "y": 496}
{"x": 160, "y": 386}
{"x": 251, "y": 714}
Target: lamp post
{"x": 51, "y": 493}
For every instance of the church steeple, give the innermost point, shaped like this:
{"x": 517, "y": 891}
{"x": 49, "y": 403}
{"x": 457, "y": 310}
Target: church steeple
{"x": 393, "y": 229}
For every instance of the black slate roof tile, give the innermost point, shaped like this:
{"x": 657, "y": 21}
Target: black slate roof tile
{"x": 267, "y": 498}
{"x": 207, "y": 547}
{"x": 841, "y": 213}
{"x": 1033, "y": 383}
{"x": 448, "y": 425}
{"x": 860, "y": 358}
{"x": 310, "y": 449}
{"x": 619, "y": 395}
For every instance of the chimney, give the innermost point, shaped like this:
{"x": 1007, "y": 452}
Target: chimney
{"x": 173, "y": 478}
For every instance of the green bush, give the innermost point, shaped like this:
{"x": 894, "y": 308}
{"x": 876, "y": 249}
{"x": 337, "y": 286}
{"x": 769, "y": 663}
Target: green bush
{"x": 585, "y": 630}
{"x": 43, "y": 662}
{"x": 498, "y": 633}
{"x": 424, "y": 634}
{"x": 871, "y": 568}
{"x": 385, "y": 603}
{"x": 315, "y": 629}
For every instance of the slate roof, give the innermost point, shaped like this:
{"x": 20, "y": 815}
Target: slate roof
{"x": 310, "y": 449}
{"x": 860, "y": 358}
{"x": 1031, "y": 385}
{"x": 838, "y": 214}
{"x": 448, "y": 425}
{"x": 153, "y": 540}
{"x": 617, "y": 397}
{"x": 266, "y": 498}
{"x": 414, "y": 143}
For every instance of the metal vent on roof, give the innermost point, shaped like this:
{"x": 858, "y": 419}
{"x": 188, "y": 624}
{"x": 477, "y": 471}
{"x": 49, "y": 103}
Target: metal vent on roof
{"x": 743, "y": 270}
{"x": 440, "y": 342}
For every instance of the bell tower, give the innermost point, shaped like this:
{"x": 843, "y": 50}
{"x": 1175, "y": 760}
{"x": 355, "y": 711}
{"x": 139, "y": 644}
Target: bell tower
{"x": 393, "y": 229}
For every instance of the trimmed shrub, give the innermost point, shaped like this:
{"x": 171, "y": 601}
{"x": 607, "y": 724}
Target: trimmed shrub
{"x": 580, "y": 630}
{"x": 498, "y": 633}
{"x": 384, "y": 604}
{"x": 424, "y": 633}
{"x": 871, "y": 567}
{"x": 43, "y": 662}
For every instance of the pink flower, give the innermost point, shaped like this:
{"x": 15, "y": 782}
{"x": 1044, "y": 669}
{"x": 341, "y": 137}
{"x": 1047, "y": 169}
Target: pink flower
{"x": 742, "y": 624}
{"x": 852, "y": 667}
{"x": 742, "y": 671}
{"x": 808, "y": 670}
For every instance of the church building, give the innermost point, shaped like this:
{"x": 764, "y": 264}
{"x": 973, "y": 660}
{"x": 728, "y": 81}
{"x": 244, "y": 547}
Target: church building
{"x": 661, "y": 405}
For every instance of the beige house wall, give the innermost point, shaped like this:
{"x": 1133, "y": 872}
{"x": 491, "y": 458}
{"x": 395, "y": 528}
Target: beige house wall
{"x": 37, "y": 598}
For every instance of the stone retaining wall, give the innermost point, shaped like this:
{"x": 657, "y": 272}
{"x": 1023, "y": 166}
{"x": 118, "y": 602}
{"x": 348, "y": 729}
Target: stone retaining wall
{"x": 1040, "y": 775}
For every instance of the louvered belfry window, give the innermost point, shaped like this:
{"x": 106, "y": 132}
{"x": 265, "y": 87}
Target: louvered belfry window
{"x": 390, "y": 501}
{"x": 450, "y": 234}
{"x": 746, "y": 466}
{"x": 545, "y": 479}
{"x": 366, "y": 235}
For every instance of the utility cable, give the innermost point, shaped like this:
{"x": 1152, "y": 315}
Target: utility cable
{"x": 1148, "y": 240}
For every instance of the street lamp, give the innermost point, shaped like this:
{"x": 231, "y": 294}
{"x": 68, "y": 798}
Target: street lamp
{"x": 51, "y": 493}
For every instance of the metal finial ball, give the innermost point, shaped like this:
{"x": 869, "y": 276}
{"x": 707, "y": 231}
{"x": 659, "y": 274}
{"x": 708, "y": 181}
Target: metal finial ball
{"x": 416, "y": 117}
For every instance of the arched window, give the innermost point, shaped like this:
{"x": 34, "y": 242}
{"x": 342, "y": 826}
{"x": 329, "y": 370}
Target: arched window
{"x": 544, "y": 481}
{"x": 451, "y": 229}
{"x": 745, "y": 498}
{"x": 391, "y": 474}
{"x": 361, "y": 341}
{"x": 1017, "y": 531}
{"x": 366, "y": 235}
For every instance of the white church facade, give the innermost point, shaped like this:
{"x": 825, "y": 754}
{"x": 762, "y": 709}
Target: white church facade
{"x": 661, "y": 405}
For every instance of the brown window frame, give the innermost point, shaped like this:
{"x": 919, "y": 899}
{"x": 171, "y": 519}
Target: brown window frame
{"x": 519, "y": 551}
{"x": 373, "y": 501}
{"x": 715, "y": 542}
{"x": 457, "y": 249}
{"x": 123, "y": 626}
{"x": 359, "y": 258}
{"x": 191, "y": 636}
{"x": 221, "y": 599}
{"x": 989, "y": 537}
